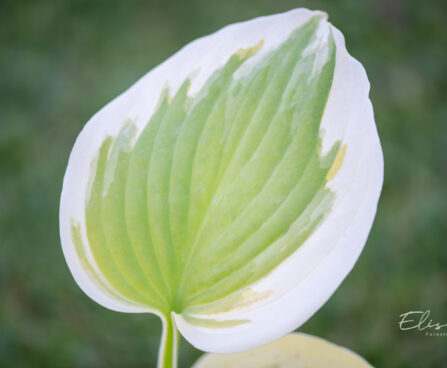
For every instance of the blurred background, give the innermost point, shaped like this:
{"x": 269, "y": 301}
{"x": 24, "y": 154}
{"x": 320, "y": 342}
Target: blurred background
{"x": 61, "y": 61}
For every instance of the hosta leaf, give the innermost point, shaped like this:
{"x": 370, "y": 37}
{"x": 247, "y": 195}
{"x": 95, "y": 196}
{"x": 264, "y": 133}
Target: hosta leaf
{"x": 292, "y": 351}
{"x": 232, "y": 187}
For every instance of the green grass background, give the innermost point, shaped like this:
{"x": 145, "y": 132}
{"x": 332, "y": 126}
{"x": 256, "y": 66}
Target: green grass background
{"x": 60, "y": 61}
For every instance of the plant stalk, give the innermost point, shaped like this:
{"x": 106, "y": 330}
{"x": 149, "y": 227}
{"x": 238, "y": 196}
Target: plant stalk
{"x": 167, "y": 355}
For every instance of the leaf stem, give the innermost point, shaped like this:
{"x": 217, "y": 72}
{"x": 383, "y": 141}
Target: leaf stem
{"x": 167, "y": 355}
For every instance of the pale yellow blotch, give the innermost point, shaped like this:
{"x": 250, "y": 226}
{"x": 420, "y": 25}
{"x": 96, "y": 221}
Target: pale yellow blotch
{"x": 245, "y": 53}
{"x": 292, "y": 351}
{"x": 79, "y": 246}
{"x": 238, "y": 300}
{"x": 249, "y": 297}
{"x": 213, "y": 323}
{"x": 338, "y": 161}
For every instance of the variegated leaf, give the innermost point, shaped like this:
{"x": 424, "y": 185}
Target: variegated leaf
{"x": 232, "y": 188}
